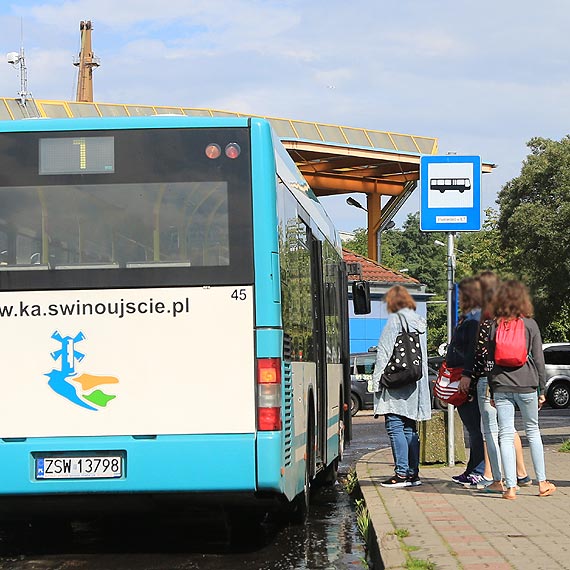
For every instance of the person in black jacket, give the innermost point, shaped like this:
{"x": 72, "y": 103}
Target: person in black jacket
{"x": 461, "y": 354}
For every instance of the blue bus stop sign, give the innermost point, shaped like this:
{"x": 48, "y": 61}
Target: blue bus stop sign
{"x": 450, "y": 191}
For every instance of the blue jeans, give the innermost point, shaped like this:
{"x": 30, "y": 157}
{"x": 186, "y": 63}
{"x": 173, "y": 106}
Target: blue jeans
{"x": 405, "y": 444}
{"x": 528, "y": 405}
{"x": 471, "y": 418}
{"x": 490, "y": 427}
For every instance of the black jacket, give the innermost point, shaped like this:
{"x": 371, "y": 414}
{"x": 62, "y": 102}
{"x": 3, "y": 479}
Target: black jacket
{"x": 461, "y": 350}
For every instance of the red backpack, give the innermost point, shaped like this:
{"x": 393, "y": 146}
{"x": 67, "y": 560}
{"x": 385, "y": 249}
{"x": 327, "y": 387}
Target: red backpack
{"x": 510, "y": 343}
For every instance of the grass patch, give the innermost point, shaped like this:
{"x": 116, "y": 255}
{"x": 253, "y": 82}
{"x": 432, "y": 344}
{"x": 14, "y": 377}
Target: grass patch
{"x": 418, "y": 564}
{"x": 411, "y": 548}
{"x": 411, "y": 562}
{"x": 351, "y": 481}
{"x": 565, "y": 447}
{"x": 362, "y": 519}
{"x": 402, "y": 532}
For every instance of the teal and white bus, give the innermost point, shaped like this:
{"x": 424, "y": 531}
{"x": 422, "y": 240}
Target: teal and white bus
{"x": 173, "y": 314}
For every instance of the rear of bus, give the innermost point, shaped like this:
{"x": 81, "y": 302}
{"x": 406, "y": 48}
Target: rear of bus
{"x": 128, "y": 259}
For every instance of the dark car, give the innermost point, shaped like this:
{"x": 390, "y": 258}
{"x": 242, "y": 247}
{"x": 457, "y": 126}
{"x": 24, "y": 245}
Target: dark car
{"x": 361, "y": 370}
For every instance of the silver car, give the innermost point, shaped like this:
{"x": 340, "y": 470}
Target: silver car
{"x": 557, "y": 365}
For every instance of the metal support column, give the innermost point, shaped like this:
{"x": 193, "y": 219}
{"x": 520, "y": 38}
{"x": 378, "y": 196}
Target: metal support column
{"x": 374, "y": 208}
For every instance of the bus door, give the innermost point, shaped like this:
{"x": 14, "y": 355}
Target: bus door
{"x": 319, "y": 336}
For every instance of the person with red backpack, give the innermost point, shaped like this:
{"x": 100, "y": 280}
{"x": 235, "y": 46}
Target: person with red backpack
{"x": 517, "y": 379}
{"x": 476, "y": 383}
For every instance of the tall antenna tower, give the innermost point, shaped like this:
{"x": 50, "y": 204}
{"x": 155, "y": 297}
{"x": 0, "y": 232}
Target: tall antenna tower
{"x": 86, "y": 62}
{"x": 17, "y": 58}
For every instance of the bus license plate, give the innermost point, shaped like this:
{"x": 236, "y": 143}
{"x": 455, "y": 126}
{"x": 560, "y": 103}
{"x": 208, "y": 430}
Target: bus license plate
{"x": 85, "y": 467}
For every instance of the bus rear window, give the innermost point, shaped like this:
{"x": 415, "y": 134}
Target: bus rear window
{"x": 126, "y": 225}
{"x": 147, "y": 207}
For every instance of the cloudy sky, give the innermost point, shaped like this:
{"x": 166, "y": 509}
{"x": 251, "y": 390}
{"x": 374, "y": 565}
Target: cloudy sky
{"x": 483, "y": 77}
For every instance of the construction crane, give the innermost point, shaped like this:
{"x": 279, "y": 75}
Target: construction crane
{"x": 86, "y": 62}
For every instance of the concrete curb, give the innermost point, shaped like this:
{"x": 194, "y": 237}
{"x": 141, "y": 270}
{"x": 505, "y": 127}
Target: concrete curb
{"x": 388, "y": 544}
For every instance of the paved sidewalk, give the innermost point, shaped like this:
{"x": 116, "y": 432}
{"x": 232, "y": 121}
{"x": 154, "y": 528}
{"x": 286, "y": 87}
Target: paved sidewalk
{"x": 455, "y": 527}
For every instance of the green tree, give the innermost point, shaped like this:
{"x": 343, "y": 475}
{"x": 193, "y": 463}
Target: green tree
{"x": 483, "y": 250}
{"x": 416, "y": 251}
{"x": 411, "y": 249}
{"x": 533, "y": 225}
{"x": 359, "y": 243}
{"x": 390, "y": 257}
{"x": 427, "y": 262}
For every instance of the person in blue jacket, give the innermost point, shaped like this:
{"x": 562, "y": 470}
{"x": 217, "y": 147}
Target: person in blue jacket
{"x": 402, "y": 407}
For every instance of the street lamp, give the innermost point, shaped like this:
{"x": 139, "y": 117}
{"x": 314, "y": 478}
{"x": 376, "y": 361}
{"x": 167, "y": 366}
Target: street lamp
{"x": 352, "y": 202}
{"x": 437, "y": 242}
{"x": 386, "y": 226}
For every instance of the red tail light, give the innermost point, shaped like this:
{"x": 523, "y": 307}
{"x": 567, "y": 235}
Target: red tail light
{"x": 269, "y": 394}
{"x": 213, "y": 150}
{"x": 233, "y": 150}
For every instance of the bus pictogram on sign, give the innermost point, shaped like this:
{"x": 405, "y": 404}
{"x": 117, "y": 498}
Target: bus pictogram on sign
{"x": 444, "y": 184}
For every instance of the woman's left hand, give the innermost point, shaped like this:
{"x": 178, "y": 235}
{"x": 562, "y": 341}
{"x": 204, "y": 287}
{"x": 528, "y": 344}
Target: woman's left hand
{"x": 464, "y": 384}
{"x": 541, "y": 400}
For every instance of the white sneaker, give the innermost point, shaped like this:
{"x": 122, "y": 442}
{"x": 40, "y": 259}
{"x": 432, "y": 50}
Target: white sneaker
{"x": 484, "y": 483}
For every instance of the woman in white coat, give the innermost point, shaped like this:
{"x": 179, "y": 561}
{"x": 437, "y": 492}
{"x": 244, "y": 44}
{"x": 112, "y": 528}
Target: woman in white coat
{"x": 402, "y": 407}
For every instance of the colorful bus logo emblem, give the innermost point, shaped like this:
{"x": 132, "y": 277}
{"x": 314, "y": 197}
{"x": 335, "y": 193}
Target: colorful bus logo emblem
{"x": 83, "y": 389}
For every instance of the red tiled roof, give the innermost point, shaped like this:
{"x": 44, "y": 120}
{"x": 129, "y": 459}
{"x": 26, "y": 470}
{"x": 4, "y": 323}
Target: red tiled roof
{"x": 372, "y": 271}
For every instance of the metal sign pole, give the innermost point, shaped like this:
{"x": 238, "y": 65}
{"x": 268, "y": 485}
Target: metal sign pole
{"x": 450, "y": 323}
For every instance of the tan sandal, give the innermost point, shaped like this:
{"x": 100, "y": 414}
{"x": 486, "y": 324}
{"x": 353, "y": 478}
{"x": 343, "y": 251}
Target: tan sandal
{"x": 495, "y": 487}
{"x": 551, "y": 487}
{"x": 510, "y": 494}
